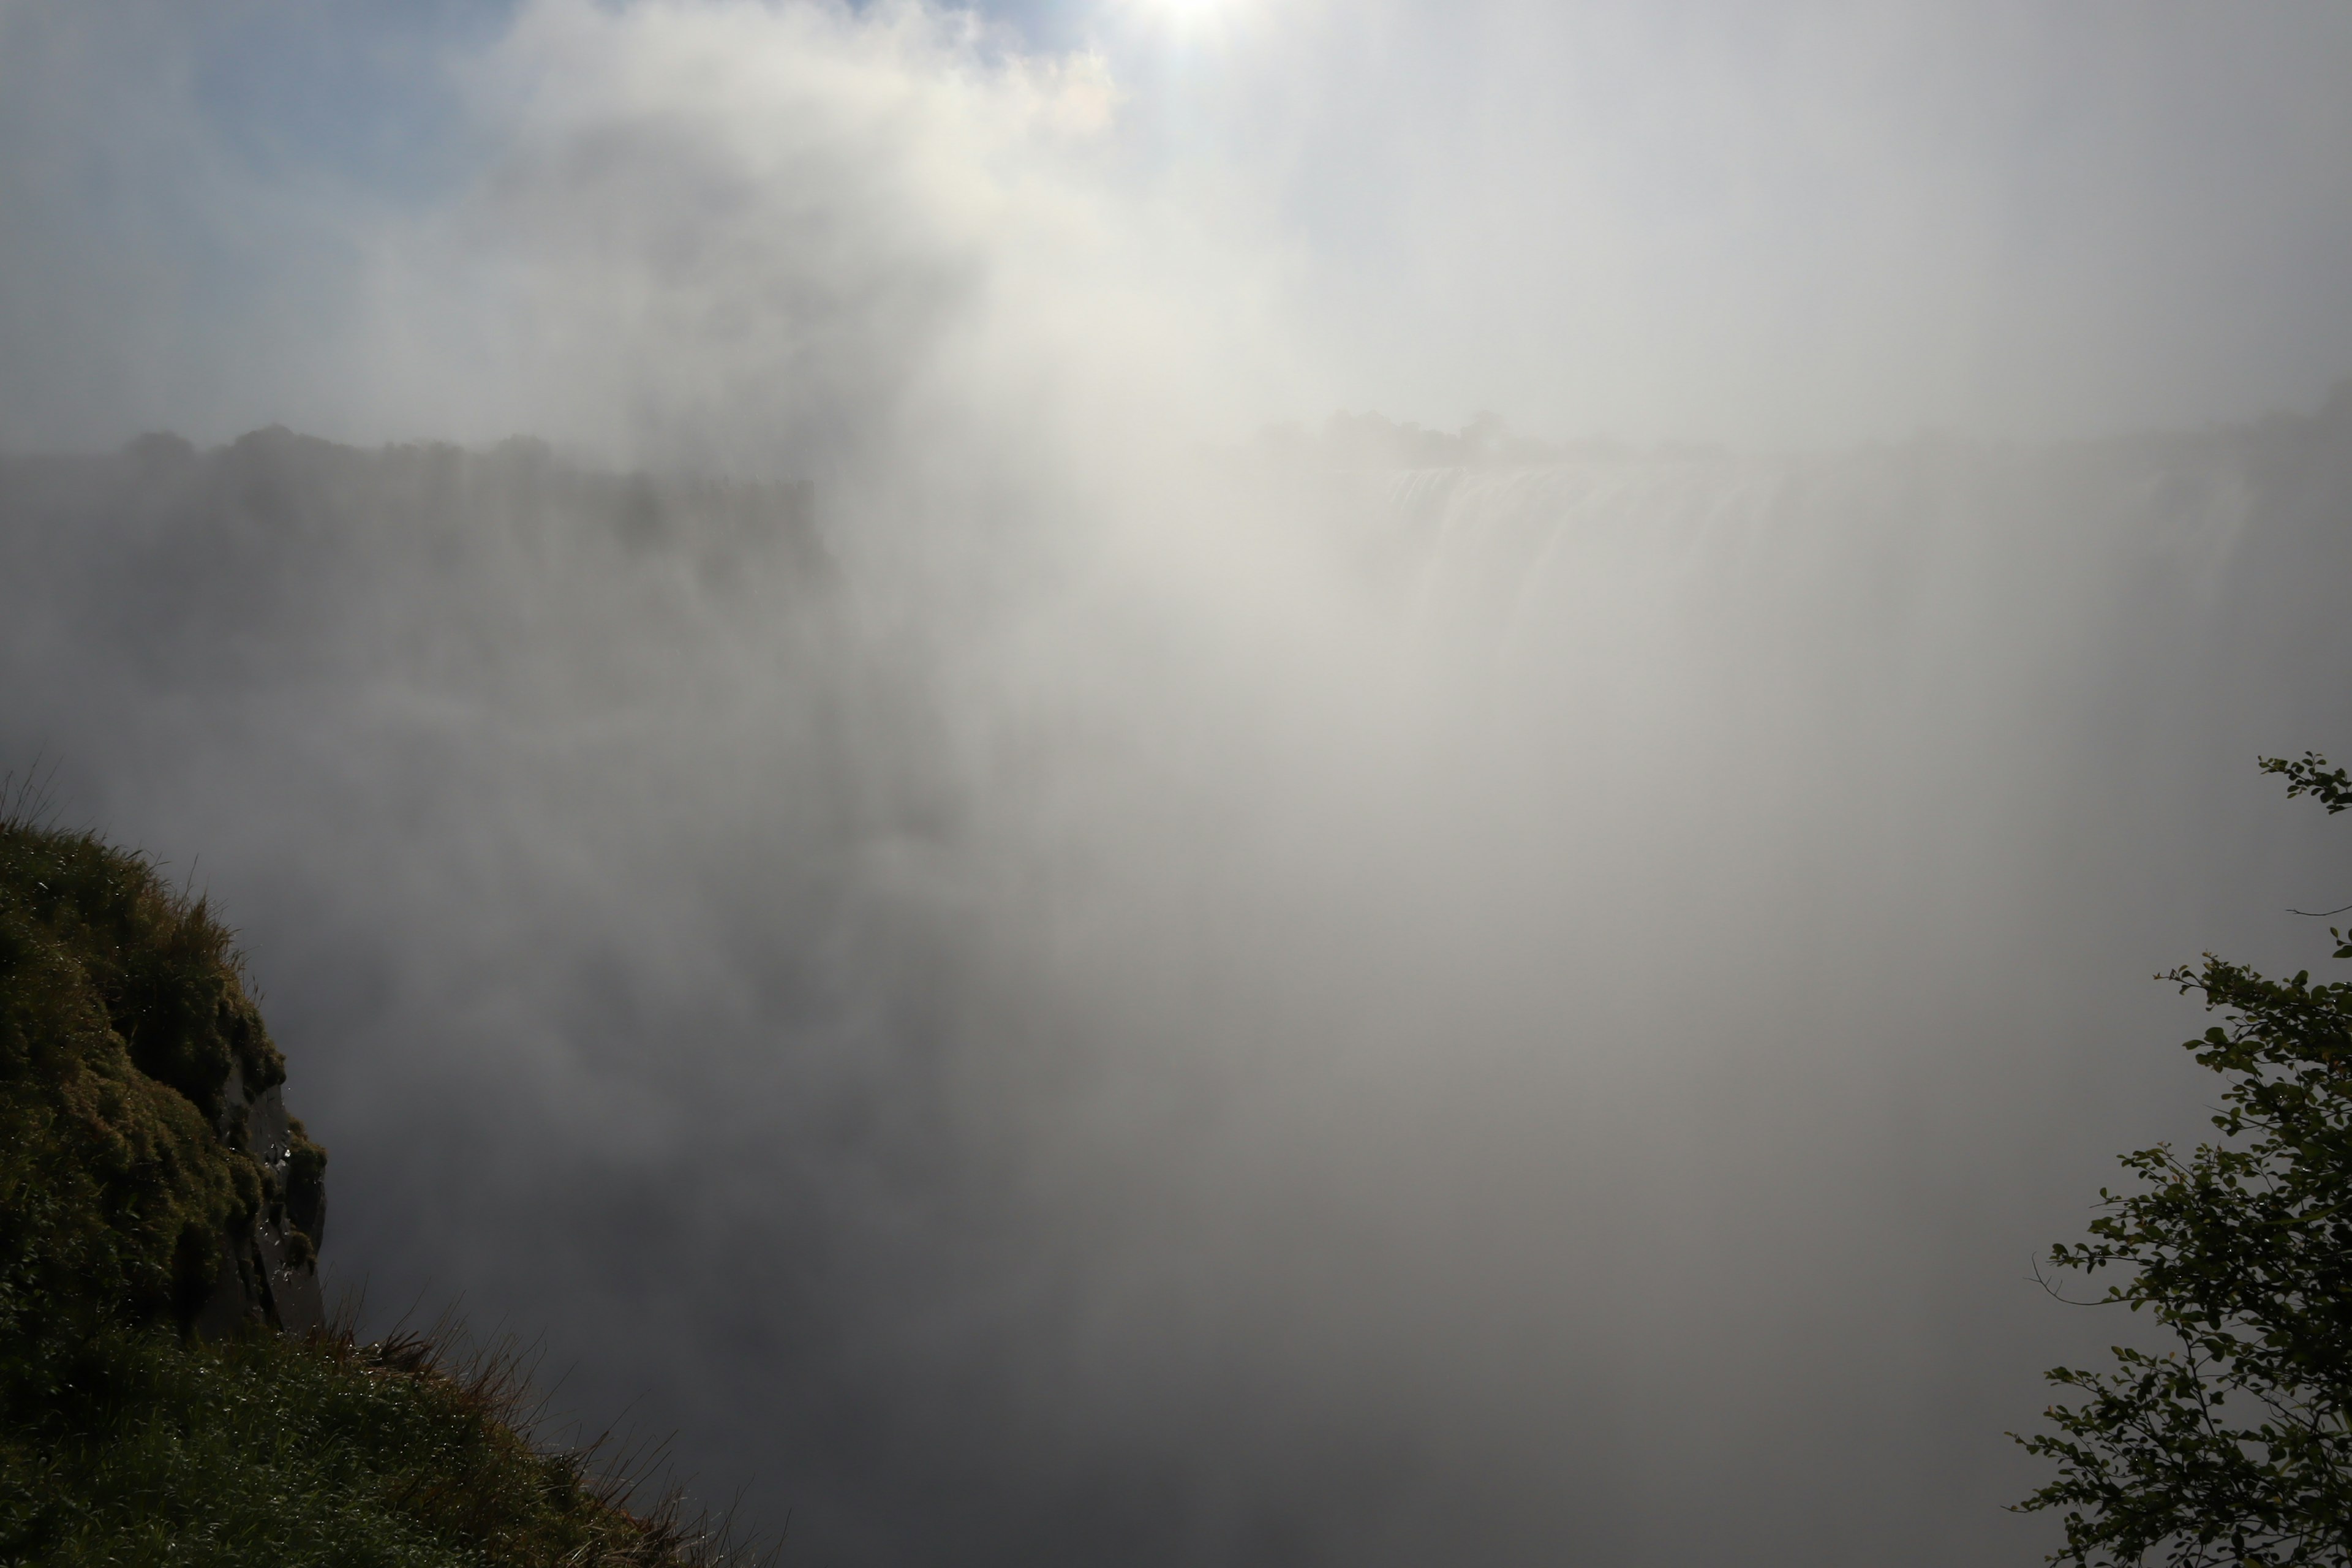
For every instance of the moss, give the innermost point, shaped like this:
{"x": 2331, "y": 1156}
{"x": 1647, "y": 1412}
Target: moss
{"x": 164, "y": 971}
{"x": 115, "y": 1193}
{"x": 305, "y": 1190}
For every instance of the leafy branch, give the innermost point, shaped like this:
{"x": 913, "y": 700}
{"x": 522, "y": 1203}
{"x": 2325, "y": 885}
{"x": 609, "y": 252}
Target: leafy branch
{"x": 2235, "y": 1446}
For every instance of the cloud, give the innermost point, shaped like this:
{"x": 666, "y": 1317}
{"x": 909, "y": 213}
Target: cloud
{"x": 764, "y": 236}
{"x": 644, "y": 221}
{"x": 742, "y": 224}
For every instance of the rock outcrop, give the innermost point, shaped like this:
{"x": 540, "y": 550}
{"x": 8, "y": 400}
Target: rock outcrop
{"x": 148, "y": 1173}
{"x": 269, "y": 1262}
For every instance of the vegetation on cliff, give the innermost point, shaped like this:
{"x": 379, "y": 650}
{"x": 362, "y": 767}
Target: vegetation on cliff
{"x": 129, "y": 1047}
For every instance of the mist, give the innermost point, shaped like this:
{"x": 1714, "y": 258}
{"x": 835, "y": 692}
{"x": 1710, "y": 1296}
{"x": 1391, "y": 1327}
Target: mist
{"x": 858, "y": 811}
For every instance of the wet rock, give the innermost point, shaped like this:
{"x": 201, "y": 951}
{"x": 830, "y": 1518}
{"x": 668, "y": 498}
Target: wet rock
{"x": 269, "y": 1268}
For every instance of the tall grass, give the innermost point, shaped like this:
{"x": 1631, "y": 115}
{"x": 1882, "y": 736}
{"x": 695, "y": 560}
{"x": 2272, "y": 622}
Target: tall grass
{"x": 266, "y": 1449}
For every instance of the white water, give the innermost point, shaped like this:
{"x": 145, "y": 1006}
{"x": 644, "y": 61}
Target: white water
{"x": 1502, "y": 1016}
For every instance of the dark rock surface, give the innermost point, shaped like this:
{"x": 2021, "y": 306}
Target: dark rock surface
{"x": 271, "y": 1272}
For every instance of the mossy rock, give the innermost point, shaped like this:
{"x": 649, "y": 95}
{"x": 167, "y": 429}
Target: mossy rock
{"x": 128, "y": 1048}
{"x": 156, "y": 1208}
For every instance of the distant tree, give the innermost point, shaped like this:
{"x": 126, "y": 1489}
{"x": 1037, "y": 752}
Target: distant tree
{"x": 2233, "y": 1446}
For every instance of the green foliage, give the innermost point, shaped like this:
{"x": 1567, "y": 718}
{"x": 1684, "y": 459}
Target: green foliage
{"x": 2311, "y": 775}
{"x": 2235, "y": 1445}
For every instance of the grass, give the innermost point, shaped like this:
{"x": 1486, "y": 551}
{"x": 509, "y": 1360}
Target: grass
{"x": 124, "y": 1439}
{"x": 266, "y": 1449}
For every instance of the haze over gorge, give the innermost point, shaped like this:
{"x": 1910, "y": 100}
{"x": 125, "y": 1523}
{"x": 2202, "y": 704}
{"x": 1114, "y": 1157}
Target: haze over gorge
{"x": 854, "y": 804}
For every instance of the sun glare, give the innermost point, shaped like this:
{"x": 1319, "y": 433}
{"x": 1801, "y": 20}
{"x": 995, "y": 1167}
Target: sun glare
{"x": 1186, "y": 13}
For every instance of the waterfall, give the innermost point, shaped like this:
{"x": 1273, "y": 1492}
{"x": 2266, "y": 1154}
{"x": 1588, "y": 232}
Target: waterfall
{"x": 1496, "y": 1014}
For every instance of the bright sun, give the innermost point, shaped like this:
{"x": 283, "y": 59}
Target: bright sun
{"x": 1191, "y": 10}
{"x": 1192, "y": 23}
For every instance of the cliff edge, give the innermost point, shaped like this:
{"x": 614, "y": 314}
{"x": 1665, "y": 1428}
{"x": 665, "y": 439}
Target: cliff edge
{"x": 148, "y": 1173}
{"x": 170, "y": 1389}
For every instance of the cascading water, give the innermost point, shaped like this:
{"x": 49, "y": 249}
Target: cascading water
{"x": 1496, "y": 1014}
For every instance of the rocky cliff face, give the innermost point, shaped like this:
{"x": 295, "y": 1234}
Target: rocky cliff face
{"x": 149, "y": 1172}
{"x": 270, "y": 1260}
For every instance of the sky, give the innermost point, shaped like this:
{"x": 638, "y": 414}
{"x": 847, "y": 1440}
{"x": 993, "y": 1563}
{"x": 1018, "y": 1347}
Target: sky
{"x": 1793, "y": 224}
{"x": 838, "y": 837}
